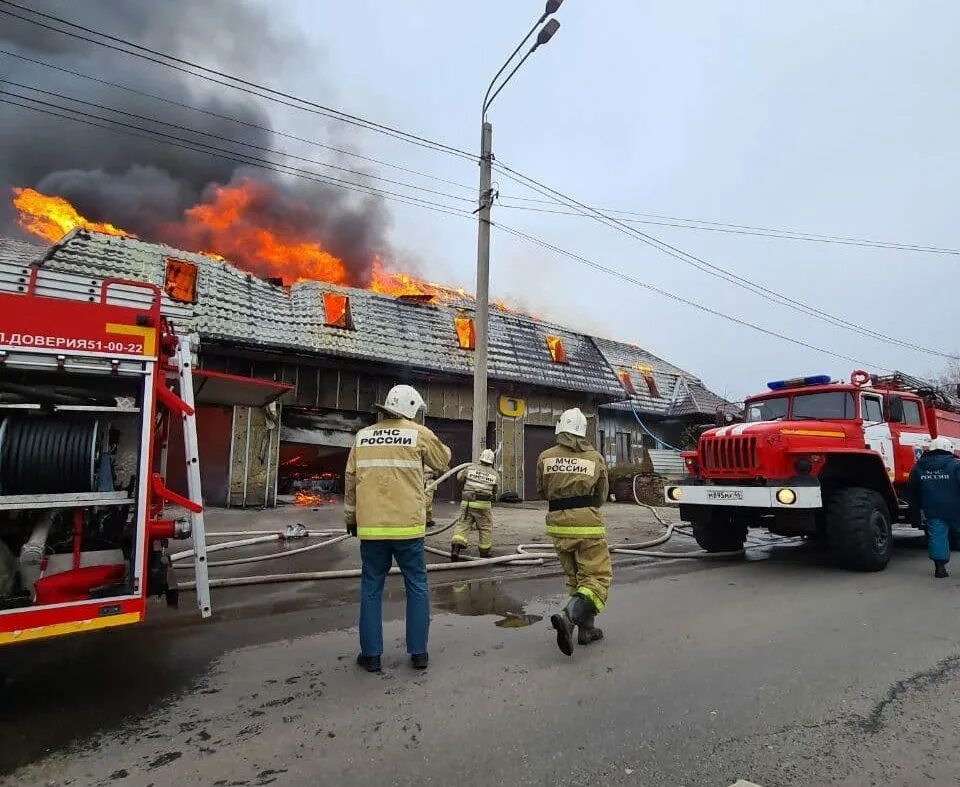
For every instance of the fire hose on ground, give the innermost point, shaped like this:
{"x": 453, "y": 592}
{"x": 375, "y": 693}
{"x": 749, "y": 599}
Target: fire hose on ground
{"x": 523, "y": 556}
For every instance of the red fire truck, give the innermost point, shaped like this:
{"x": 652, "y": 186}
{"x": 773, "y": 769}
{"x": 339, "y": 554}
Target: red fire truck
{"x": 91, "y": 375}
{"x": 819, "y": 458}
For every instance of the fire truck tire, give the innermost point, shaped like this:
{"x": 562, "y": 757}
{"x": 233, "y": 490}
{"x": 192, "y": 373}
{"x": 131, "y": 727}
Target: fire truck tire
{"x": 715, "y": 532}
{"x": 859, "y": 528}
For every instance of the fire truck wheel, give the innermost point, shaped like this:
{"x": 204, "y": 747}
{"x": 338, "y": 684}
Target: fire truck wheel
{"x": 714, "y": 531}
{"x": 859, "y": 529}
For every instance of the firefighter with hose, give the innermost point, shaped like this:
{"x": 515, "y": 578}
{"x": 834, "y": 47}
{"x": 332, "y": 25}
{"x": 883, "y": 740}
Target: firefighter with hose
{"x": 385, "y": 507}
{"x": 479, "y": 483}
{"x": 572, "y": 477}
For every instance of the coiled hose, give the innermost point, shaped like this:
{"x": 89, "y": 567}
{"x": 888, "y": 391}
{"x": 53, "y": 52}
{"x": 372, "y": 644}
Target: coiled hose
{"x": 47, "y": 455}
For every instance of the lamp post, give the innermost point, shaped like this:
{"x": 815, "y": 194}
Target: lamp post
{"x": 546, "y": 32}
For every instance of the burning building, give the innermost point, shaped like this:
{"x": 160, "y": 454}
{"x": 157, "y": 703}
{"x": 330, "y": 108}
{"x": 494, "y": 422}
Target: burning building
{"x": 295, "y": 369}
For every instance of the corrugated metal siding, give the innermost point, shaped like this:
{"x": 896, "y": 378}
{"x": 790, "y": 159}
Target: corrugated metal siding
{"x": 668, "y": 463}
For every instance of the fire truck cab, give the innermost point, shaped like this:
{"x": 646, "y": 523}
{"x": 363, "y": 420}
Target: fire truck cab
{"x": 818, "y": 458}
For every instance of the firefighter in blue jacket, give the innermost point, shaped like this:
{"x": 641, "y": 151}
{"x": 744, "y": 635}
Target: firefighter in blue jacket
{"x": 934, "y": 488}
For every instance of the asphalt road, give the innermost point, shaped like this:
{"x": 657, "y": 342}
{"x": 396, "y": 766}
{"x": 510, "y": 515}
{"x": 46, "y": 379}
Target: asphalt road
{"x": 778, "y": 670}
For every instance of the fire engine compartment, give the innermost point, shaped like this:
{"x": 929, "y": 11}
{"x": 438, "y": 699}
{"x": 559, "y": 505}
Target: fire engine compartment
{"x": 70, "y": 452}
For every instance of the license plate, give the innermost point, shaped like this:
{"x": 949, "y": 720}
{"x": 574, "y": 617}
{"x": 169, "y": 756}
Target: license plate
{"x": 725, "y": 494}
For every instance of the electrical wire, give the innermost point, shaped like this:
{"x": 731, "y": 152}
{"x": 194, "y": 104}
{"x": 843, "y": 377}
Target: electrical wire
{"x": 234, "y": 156}
{"x": 679, "y": 299}
{"x": 708, "y": 267}
{"x": 238, "y": 121}
{"x": 230, "y": 140}
{"x": 218, "y": 77}
{"x": 737, "y": 229}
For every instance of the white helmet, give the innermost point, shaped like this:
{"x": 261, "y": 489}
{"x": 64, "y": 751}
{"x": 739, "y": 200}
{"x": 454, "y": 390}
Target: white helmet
{"x": 941, "y": 444}
{"x": 486, "y": 457}
{"x": 573, "y": 422}
{"x": 403, "y": 400}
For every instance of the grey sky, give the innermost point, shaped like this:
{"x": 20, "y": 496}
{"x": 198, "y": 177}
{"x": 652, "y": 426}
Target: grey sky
{"x": 829, "y": 117}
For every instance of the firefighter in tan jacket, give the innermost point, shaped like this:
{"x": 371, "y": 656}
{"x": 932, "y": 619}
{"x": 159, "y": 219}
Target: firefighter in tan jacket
{"x": 572, "y": 477}
{"x": 479, "y": 483}
{"x": 385, "y": 506}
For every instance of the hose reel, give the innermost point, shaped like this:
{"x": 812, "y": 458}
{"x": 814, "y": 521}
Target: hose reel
{"x": 40, "y": 455}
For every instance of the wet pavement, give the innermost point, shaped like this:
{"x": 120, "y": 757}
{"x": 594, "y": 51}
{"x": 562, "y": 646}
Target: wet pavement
{"x": 777, "y": 669}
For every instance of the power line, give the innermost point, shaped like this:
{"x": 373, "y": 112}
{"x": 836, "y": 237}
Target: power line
{"x": 242, "y": 85}
{"x": 735, "y": 229}
{"x": 234, "y": 156}
{"x": 707, "y": 267}
{"x": 238, "y": 121}
{"x": 232, "y": 141}
{"x": 679, "y": 299}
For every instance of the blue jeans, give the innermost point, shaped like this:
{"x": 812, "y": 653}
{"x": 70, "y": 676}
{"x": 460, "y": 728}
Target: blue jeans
{"x": 938, "y": 538}
{"x": 376, "y": 558}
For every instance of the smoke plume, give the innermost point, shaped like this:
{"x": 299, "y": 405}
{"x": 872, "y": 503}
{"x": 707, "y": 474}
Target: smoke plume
{"x": 153, "y": 189}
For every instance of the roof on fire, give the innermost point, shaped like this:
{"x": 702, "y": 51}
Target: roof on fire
{"x": 234, "y": 306}
{"x": 660, "y": 387}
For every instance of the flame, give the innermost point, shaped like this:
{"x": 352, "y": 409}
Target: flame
{"x": 243, "y": 223}
{"x": 303, "y": 498}
{"x": 232, "y": 224}
{"x": 53, "y": 217}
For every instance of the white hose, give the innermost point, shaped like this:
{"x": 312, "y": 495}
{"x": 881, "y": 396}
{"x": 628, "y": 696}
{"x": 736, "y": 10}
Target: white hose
{"x": 349, "y": 573}
{"x": 521, "y": 558}
{"x": 274, "y": 555}
{"x": 436, "y": 482}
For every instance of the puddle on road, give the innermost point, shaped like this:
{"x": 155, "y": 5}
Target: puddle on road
{"x": 487, "y": 597}
{"x": 512, "y": 621}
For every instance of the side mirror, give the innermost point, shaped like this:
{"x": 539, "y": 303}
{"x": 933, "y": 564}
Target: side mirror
{"x": 896, "y": 410}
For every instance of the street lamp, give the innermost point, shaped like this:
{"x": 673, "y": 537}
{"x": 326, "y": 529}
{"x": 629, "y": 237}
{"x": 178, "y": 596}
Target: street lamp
{"x": 546, "y": 32}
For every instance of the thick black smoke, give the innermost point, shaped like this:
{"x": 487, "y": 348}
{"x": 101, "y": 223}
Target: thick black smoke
{"x": 145, "y": 186}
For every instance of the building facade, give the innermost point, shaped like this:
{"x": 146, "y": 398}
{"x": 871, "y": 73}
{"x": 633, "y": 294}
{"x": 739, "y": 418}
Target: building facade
{"x": 317, "y": 357}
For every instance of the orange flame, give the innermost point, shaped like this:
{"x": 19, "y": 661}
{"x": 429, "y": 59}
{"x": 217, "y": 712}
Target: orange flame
{"x": 231, "y": 225}
{"x": 53, "y": 217}
{"x": 557, "y": 351}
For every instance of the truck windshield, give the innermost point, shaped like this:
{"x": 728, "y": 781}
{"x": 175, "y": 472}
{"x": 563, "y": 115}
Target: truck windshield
{"x": 766, "y": 410}
{"x": 829, "y": 405}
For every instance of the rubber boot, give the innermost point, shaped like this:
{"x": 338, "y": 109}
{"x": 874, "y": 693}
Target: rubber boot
{"x": 369, "y": 663}
{"x": 572, "y": 615}
{"x": 587, "y": 632}
{"x": 484, "y": 553}
{"x": 419, "y": 660}
{"x": 940, "y": 569}
{"x": 455, "y": 550}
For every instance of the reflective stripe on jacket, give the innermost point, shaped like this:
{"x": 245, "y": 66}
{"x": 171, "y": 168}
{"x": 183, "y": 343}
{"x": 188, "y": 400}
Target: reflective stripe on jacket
{"x": 383, "y": 487}
{"x": 480, "y": 483}
{"x": 573, "y": 469}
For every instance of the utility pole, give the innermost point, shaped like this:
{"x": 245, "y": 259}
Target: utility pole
{"x": 482, "y": 320}
{"x": 483, "y": 291}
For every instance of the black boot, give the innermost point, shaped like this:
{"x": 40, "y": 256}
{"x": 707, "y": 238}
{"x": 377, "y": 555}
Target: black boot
{"x": 369, "y": 663}
{"x": 940, "y": 570}
{"x": 455, "y": 550}
{"x": 419, "y": 660}
{"x": 573, "y": 614}
{"x": 484, "y": 553}
{"x": 587, "y": 632}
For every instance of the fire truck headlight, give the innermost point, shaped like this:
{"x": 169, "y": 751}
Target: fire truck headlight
{"x": 675, "y": 493}
{"x": 786, "y": 497}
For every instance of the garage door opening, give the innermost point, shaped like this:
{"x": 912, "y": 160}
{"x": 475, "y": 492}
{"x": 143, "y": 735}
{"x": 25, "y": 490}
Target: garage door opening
{"x": 312, "y": 475}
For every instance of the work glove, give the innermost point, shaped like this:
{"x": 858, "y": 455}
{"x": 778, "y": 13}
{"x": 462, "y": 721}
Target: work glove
{"x": 352, "y": 529}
